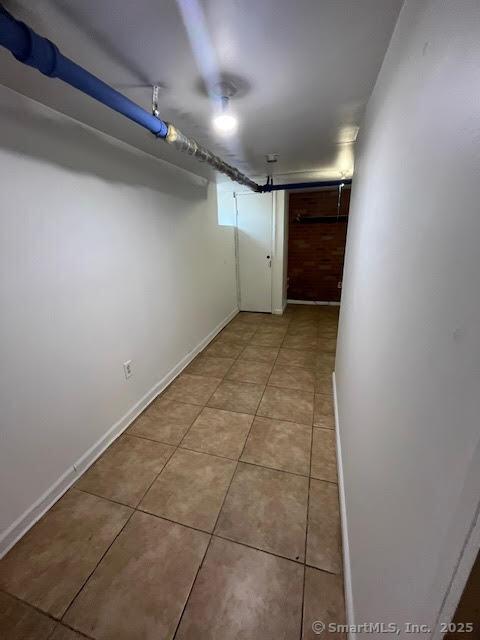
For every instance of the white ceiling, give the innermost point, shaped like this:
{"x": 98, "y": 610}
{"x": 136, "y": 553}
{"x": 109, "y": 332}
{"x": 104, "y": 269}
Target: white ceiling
{"x": 304, "y": 69}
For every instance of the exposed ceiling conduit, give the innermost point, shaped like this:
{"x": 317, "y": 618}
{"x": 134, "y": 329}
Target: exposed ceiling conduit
{"x": 41, "y": 54}
{"x": 288, "y": 186}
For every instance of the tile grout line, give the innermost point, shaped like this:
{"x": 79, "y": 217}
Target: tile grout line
{"x": 270, "y": 553}
{"x": 211, "y": 534}
{"x": 306, "y": 524}
{"x": 76, "y": 631}
{"x": 193, "y": 585}
{"x": 307, "y": 514}
{"x": 308, "y": 498}
{"x": 222, "y": 505}
{"x": 214, "y": 341}
{"x": 214, "y": 535}
{"x": 178, "y": 445}
{"x": 308, "y": 491}
{"x": 249, "y": 343}
{"x": 43, "y": 613}
{"x": 137, "y": 509}
{"x": 134, "y": 510}
{"x": 95, "y": 567}
{"x": 213, "y": 530}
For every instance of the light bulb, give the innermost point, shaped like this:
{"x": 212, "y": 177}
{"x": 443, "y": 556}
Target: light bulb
{"x": 225, "y": 123}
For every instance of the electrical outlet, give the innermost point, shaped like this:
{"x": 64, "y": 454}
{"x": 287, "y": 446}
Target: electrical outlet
{"x": 127, "y": 368}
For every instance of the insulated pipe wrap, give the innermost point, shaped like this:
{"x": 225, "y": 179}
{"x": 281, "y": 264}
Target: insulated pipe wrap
{"x": 188, "y": 145}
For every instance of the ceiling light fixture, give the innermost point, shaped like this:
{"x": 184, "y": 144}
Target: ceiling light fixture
{"x": 224, "y": 121}
{"x": 271, "y": 158}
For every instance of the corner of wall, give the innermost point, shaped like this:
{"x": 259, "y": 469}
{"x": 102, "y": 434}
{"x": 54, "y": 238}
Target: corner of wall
{"x": 347, "y": 578}
{"x": 279, "y": 311}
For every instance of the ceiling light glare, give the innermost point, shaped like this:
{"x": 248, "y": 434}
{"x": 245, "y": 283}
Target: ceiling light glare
{"x": 225, "y": 123}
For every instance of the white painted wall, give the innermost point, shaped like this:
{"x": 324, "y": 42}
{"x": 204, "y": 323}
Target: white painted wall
{"x": 106, "y": 254}
{"x": 408, "y": 362}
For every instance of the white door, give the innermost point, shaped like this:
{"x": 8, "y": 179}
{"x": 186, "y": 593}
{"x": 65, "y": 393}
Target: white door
{"x": 254, "y": 243}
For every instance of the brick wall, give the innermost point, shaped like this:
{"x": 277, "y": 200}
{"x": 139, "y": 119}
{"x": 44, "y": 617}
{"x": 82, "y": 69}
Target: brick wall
{"x": 316, "y": 250}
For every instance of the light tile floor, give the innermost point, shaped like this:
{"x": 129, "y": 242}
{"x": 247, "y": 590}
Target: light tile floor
{"x": 215, "y": 516}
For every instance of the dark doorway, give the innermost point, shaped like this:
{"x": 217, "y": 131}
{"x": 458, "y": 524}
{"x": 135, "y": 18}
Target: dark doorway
{"x": 316, "y": 243}
{"x": 468, "y": 610}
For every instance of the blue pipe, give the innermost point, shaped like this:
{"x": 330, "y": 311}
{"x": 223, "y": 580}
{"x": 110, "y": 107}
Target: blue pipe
{"x": 304, "y": 185}
{"x": 40, "y": 53}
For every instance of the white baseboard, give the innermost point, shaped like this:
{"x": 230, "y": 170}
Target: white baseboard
{"x": 324, "y": 303}
{"x": 280, "y": 312}
{"x": 20, "y": 527}
{"x": 347, "y": 576}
